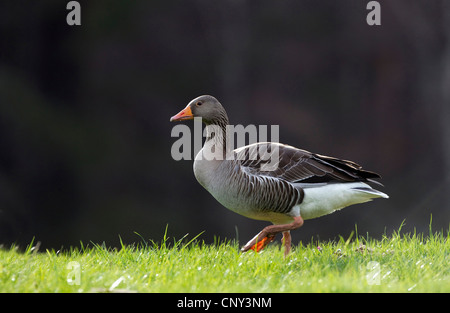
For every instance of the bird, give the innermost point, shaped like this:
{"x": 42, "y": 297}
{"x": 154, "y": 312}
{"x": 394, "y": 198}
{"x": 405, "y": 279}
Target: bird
{"x": 299, "y": 186}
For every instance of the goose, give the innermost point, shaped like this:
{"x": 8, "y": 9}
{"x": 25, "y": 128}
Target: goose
{"x": 300, "y": 186}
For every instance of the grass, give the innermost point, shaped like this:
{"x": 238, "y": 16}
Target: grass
{"x": 398, "y": 263}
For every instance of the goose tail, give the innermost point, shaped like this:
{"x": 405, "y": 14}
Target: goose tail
{"x": 369, "y": 190}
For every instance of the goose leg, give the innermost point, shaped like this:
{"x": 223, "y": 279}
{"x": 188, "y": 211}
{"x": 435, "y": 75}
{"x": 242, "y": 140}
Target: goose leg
{"x": 286, "y": 242}
{"x": 268, "y": 234}
{"x": 259, "y": 244}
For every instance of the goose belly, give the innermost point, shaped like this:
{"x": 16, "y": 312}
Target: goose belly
{"x": 231, "y": 197}
{"x": 257, "y": 202}
{"x": 247, "y": 208}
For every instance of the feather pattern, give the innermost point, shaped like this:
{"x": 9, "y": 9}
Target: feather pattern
{"x": 296, "y": 165}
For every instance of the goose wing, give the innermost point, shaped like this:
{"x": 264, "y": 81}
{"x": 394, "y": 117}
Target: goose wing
{"x": 298, "y": 166}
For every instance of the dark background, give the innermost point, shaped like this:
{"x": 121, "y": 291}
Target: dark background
{"x": 85, "y": 137}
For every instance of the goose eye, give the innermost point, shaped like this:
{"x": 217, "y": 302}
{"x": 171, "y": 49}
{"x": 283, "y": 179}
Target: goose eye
{"x": 199, "y": 103}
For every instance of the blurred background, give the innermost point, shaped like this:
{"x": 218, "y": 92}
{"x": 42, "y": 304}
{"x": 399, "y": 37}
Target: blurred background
{"x": 85, "y": 137}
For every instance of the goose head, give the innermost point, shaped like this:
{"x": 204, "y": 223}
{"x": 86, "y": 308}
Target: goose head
{"x": 206, "y": 107}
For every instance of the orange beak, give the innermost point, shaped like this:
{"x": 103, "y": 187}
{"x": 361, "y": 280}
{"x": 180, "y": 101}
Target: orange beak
{"x": 185, "y": 114}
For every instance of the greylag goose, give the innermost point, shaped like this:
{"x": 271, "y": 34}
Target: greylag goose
{"x": 302, "y": 185}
